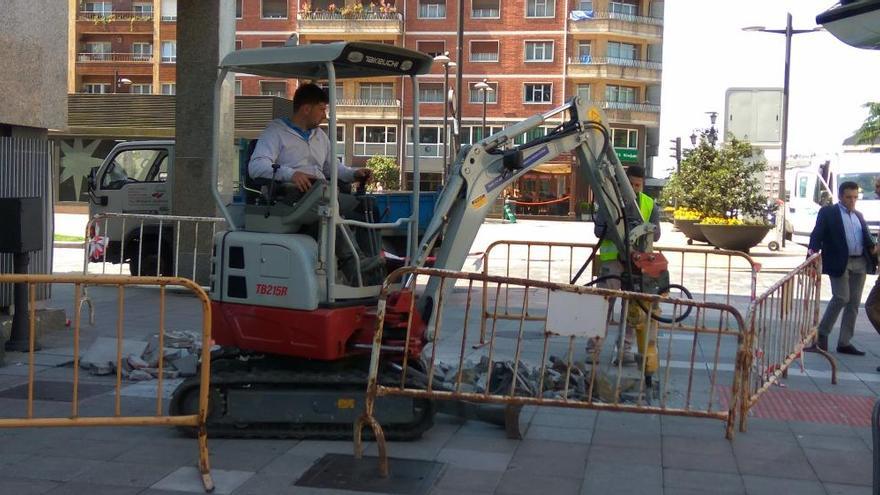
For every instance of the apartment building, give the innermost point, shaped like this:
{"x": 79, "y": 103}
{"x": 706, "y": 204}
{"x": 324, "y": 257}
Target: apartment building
{"x": 532, "y": 55}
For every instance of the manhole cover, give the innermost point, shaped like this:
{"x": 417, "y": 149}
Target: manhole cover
{"x": 55, "y": 391}
{"x": 344, "y": 472}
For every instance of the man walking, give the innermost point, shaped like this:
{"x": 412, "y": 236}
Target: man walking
{"x": 842, "y": 237}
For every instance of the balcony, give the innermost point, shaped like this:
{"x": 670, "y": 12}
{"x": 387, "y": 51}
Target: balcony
{"x": 597, "y": 21}
{"x": 631, "y": 113}
{"x": 357, "y": 24}
{"x": 615, "y": 68}
{"x": 114, "y": 22}
{"x": 352, "y": 108}
{"x": 145, "y": 58}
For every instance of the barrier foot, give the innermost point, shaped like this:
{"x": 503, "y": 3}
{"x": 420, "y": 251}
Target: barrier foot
{"x": 204, "y": 466}
{"x": 380, "y": 442}
{"x": 831, "y": 361}
{"x": 511, "y": 421}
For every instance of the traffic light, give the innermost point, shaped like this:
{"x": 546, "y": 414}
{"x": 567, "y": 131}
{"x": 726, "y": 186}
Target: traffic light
{"x": 676, "y": 149}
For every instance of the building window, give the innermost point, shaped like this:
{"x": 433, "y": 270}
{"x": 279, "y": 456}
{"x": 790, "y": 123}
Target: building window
{"x": 141, "y": 89}
{"x": 585, "y": 52}
{"x": 274, "y": 9}
{"x": 169, "y": 88}
{"x": 96, "y": 88}
{"x": 238, "y": 9}
{"x": 271, "y": 44}
{"x": 430, "y": 141}
{"x": 376, "y": 93}
{"x": 535, "y": 133}
{"x": 169, "y": 52}
{"x": 486, "y": 9}
{"x": 142, "y": 52}
{"x": 541, "y": 8}
{"x": 624, "y": 7}
{"x": 538, "y": 93}
{"x": 372, "y": 140}
{"x": 583, "y": 91}
{"x": 103, "y": 8}
{"x": 585, "y": 5}
{"x": 326, "y": 88}
{"x": 238, "y": 44}
{"x": 273, "y": 88}
{"x": 432, "y": 48}
{"x": 476, "y": 96}
{"x": 428, "y": 181}
{"x": 142, "y": 8}
{"x": 169, "y": 10}
{"x": 432, "y": 9}
{"x": 474, "y": 134}
{"x": 484, "y": 51}
{"x": 340, "y": 141}
{"x": 621, "y": 94}
{"x": 625, "y": 138}
{"x": 97, "y": 50}
{"x": 431, "y": 93}
{"x": 622, "y": 51}
{"x": 539, "y": 51}
{"x": 238, "y": 87}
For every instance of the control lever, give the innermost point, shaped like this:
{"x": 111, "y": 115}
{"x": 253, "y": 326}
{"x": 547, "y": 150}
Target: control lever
{"x": 271, "y": 199}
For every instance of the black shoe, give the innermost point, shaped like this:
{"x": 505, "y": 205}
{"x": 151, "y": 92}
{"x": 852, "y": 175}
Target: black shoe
{"x": 850, "y": 349}
{"x": 820, "y": 343}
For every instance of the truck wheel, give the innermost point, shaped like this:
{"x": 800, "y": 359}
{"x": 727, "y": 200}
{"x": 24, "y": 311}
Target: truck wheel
{"x": 149, "y": 263}
{"x": 773, "y": 246}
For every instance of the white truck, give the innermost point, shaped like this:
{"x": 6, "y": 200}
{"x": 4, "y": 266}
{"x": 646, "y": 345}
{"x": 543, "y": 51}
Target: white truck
{"x": 815, "y": 185}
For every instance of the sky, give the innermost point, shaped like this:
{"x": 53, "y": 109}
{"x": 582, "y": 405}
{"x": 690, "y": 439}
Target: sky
{"x": 705, "y": 52}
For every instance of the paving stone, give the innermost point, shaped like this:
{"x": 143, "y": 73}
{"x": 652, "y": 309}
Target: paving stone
{"x": 51, "y": 468}
{"x": 692, "y": 427}
{"x": 99, "y": 450}
{"x": 790, "y": 465}
{"x": 102, "y": 352}
{"x": 709, "y": 446}
{"x": 628, "y": 455}
{"x": 573, "y": 435}
{"x": 766, "y": 444}
{"x": 702, "y": 481}
{"x": 853, "y": 444}
{"x": 474, "y": 480}
{"x": 188, "y": 479}
{"x": 617, "y": 421}
{"x": 164, "y": 452}
{"x": 832, "y": 466}
{"x": 77, "y": 488}
{"x": 550, "y": 448}
{"x": 801, "y": 428}
{"x": 487, "y": 461}
{"x": 318, "y": 448}
{"x": 564, "y": 418}
{"x": 274, "y": 484}
{"x": 527, "y": 483}
{"x": 759, "y": 485}
{"x": 498, "y": 445}
{"x": 124, "y": 474}
{"x": 622, "y": 437}
{"x": 290, "y": 465}
{"x": 838, "y": 489}
{"x": 621, "y": 478}
{"x": 700, "y": 461}
{"x": 558, "y": 465}
{"x": 25, "y": 487}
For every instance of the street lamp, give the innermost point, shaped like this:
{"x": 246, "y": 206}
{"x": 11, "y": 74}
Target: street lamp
{"x": 447, "y": 63}
{"x": 117, "y": 81}
{"x": 788, "y": 32}
{"x": 484, "y": 88}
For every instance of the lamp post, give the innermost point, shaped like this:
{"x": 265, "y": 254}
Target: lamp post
{"x": 788, "y": 32}
{"x": 117, "y": 81}
{"x": 484, "y": 88}
{"x": 447, "y": 63}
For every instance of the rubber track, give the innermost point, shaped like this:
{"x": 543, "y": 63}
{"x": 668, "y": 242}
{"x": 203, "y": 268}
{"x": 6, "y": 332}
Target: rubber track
{"x": 351, "y": 380}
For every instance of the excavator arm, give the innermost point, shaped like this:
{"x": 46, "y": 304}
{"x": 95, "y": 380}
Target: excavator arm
{"x": 483, "y": 170}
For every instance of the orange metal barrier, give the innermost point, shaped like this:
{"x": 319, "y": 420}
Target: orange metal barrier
{"x": 537, "y": 333}
{"x": 782, "y": 321}
{"x": 75, "y": 418}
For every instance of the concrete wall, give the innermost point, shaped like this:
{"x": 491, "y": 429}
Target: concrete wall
{"x": 33, "y": 53}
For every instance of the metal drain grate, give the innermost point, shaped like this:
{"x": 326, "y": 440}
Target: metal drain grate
{"x": 344, "y": 472}
{"x": 55, "y": 391}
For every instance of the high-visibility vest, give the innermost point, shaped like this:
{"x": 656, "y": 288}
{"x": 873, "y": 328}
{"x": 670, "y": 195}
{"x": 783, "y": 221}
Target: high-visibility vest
{"x": 608, "y": 250}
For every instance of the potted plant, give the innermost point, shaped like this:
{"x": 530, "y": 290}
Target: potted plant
{"x": 586, "y": 210}
{"x": 686, "y": 220}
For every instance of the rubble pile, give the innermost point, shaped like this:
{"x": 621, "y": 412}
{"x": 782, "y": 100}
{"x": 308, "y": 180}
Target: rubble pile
{"x": 140, "y": 360}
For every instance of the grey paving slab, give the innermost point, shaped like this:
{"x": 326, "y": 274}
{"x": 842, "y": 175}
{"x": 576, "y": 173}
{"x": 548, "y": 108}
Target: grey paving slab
{"x": 124, "y": 474}
{"x": 853, "y": 444}
{"x": 289, "y": 465}
{"x": 573, "y": 435}
{"x": 702, "y": 481}
{"x": 613, "y": 477}
{"x": 696, "y": 460}
{"x": 100, "y": 450}
{"x": 838, "y": 489}
{"x": 268, "y": 484}
{"x": 630, "y": 454}
{"x": 707, "y": 446}
{"x": 77, "y": 488}
{"x": 831, "y": 466}
{"x": 25, "y": 487}
{"x": 792, "y": 464}
{"x": 188, "y": 479}
{"x": 318, "y": 448}
{"x": 692, "y": 427}
{"x": 545, "y": 465}
{"x": 516, "y": 482}
{"x": 498, "y": 444}
{"x": 163, "y": 452}
{"x": 626, "y": 437}
{"x": 51, "y": 468}
{"x": 549, "y": 448}
{"x": 803, "y": 427}
{"x": 486, "y": 461}
{"x": 759, "y": 485}
{"x": 473, "y": 480}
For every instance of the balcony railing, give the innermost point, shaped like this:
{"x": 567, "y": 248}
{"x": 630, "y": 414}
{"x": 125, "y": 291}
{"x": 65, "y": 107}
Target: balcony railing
{"x": 629, "y": 107}
{"x": 358, "y": 102}
{"x": 586, "y": 15}
{"x": 106, "y": 17}
{"x": 622, "y": 62}
{"x": 114, "y": 57}
{"x": 323, "y": 15}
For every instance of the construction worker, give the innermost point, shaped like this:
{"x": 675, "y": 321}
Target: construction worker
{"x": 611, "y": 264}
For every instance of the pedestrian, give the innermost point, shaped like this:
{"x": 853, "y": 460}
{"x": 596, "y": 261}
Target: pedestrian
{"x": 876, "y": 193}
{"x": 848, "y": 254}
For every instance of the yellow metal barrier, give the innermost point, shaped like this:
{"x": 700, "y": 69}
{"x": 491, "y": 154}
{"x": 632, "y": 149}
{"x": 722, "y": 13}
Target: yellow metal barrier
{"x": 118, "y": 419}
{"x": 782, "y": 321}
{"x": 535, "y": 338}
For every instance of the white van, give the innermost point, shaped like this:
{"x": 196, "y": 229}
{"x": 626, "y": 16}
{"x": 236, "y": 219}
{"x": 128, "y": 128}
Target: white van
{"x": 811, "y": 187}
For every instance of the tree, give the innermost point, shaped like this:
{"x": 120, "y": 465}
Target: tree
{"x": 869, "y": 132}
{"x": 720, "y": 182}
{"x": 386, "y": 173}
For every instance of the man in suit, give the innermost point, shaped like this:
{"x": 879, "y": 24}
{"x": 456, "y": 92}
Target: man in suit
{"x": 842, "y": 237}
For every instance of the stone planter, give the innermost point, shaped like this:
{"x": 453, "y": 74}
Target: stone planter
{"x": 690, "y": 230}
{"x": 735, "y": 237}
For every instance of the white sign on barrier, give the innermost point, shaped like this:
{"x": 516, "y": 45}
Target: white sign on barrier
{"x": 580, "y": 315}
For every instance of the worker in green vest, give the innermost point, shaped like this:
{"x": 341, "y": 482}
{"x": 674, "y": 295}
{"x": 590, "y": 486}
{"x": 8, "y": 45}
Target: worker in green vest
{"x": 609, "y": 259}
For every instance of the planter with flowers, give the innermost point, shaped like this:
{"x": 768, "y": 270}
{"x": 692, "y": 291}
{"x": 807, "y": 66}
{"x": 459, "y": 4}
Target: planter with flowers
{"x": 686, "y": 220}
{"x": 734, "y": 234}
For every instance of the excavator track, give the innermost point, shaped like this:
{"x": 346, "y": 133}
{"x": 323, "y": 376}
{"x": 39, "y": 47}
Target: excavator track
{"x": 266, "y": 401}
